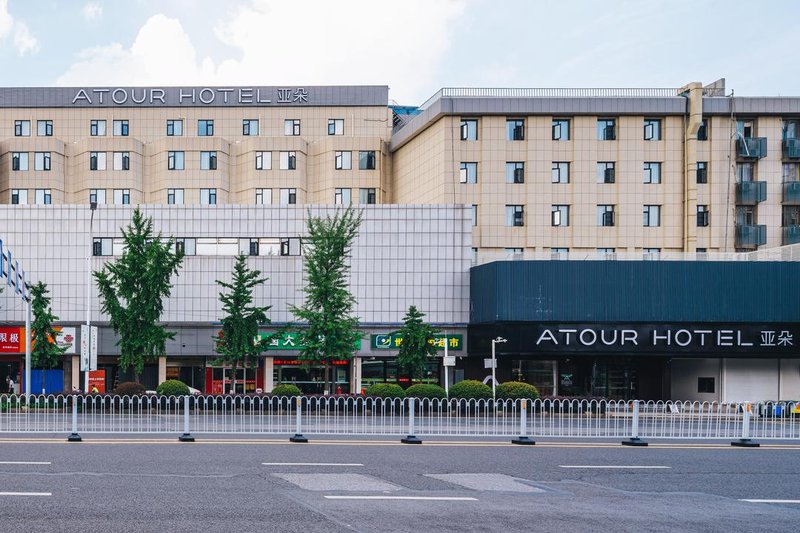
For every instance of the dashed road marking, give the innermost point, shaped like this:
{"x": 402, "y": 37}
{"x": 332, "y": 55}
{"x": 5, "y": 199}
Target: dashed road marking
{"x": 25, "y": 463}
{"x": 416, "y": 498}
{"x": 26, "y": 493}
{"x": 769, "y": 501}
{"x": 618, "y": 467}
{"x": 312, "y": 464}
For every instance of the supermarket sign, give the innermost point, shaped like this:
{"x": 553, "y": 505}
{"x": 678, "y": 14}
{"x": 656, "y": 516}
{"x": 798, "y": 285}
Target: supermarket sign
{"x": 390, "y": 341}
{"x": 288, "y": 341}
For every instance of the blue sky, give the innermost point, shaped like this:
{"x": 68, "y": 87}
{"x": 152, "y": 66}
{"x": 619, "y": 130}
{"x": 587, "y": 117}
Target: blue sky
{"x": 414, "y": 46}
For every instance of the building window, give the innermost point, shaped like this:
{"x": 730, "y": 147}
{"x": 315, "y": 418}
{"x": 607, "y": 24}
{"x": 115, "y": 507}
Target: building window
{"x": 514, "y": 253}
{"x": 706, "y": 385}
{"x": 208, "y": 196}
{"x": 208, "y": 160}
{"x": 652, "y": 172}
{"x": 205, "y": 128}
{"x": 120, "y": 128}
{"x": 468, "y": 173}
{"x": 288, "y": 196}
{"x": 606, "y": 129}
{"x": 22, "y": 128}
{"x": 605, "y": 172}
{"x": 560, "y": 173}
{"x": 790, "y": 172}
{"x": 97, "y": 160}
{"x": 175, "y": 196}
{"x": 366, "y": 160}
{"x": 366, "y": 196}
{"x": 97, "y": 196}
{"x": 263, "y": 160}
{"x": 291, "y": 127}
{"x": 605, "y": 215}
{"x": 249, "y": 127}
{"x": 44, "y": 128}
{"x": 606, "y": 253}
{"x": 343, "y": 160}
{"x": 790, "y": 129}
{"x": 342, "y": 196}
{"x": 469, "y": 129}
{"x": 702, "y": 131}
{"x": 122, "y": 161}
{"x": 745, "y": 128}
{"x": 19, "y": 196}
{"x": 515, "y": 172}
{"x": 515, "y": 129}
{"x": 745, "y": 215}
{"x": 474, "y": 215}
{"x": 335, "y": 126}
{"x": 702, "y": 172}
{"x": 745, "y": 172}
{"x": 102, "y": 246}
{"x": 702, "y": 216}
{"x": 474, "y": 257}
{"x": 651, "y": 253}
{"x": 175, "y": 128}
{"x": 175, "y": 161}
{"x": 791, "y": 215}
{"x": 290, "y": 246}
{"x": 560, "y": 129}
{"x": 652, "y": 129}
{"x": 263, "y": 196}
{"x": 122, "y": 196}
{"x": 186, "y": 245}
{"x": 515, "y": 215}
{"x": 97, "y": 128}
{"x": 559, "y": 254}
{"x": 559, "y": 215}
{"x": 43, "y": 197}
{"x": 288, "y": 160}
{"x": 41, "y": 161}
{"x": 652, "y": 216}
{"x": 19, "y": 161}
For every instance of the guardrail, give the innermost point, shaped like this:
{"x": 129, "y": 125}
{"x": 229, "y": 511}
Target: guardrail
{"x": 522, "y": 420}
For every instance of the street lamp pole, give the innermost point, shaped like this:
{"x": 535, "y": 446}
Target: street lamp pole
{"x": 89, "y": 252}
{"x": 494, "y": 365}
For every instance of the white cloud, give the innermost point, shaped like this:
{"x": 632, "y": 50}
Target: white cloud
{"x": 6, "y": 20}
{"x": 92, "y": 11}
{"x": 23, "y": 41}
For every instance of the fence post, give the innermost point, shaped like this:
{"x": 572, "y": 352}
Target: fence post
{"x": 411, "y": 438}
{"x": 745, "y": 441}
{"x": 74, "y": 436}
{"x": 186, "y": 437}
{"x": 523, "y": 425}
{"x": 634, "y": 440}
{"x": 298, "y": 429}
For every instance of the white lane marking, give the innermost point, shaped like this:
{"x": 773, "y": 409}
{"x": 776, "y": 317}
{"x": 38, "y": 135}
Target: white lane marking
{"x": 648, "y": 467}
{"x": 26, "y": 493}
{"x": 312, "y": 464}
{"x": 424, "y": 498}
{"x": 25, "y": 463}
{"x": 771, "y": 501}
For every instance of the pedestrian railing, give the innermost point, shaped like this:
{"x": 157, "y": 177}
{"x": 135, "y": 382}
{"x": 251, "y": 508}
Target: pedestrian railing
{"x": 523, "y": 420}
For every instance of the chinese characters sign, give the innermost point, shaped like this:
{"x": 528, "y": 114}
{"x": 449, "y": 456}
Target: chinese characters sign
{"x": 393, "y": 342}
{"x": 288, "y": 341}
{"x": 12, "y": 340}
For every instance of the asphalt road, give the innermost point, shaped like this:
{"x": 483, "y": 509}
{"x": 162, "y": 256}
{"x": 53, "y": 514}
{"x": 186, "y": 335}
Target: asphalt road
{"x": 123, "y": 484}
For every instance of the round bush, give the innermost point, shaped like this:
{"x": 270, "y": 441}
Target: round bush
{"x": 426, "y": 391}
{"x": 172, "y": 387}
{"x": 129, "y": 388}
{"x": 386, "y": 390}
{"x": 517, "y": 390}
{"x": 286, "y": 389}
{"x": 470, "y": 389}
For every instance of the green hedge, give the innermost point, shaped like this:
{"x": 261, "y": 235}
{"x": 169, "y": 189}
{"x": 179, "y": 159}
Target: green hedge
{"x": 517, "y": 390}
{"x": 129, "y": 388}
{"x": 172, "y": 387}
{"x": 426, "y": 391}
{"x": 470, "y": 389}
{"x": 386, "y": 390}
{"x": 286, "y": 389}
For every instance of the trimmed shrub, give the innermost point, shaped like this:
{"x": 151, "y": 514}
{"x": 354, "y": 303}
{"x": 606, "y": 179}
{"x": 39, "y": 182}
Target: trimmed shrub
{"x": 386, "y": 390}
{"x": 516, "y": 390}
{"x": 426, "y": 391}
{"x": 129, "y": 388}
{"x": 286, "y": 389}
{"x": 470, "y": 389}
{"x": 172, "y": 387}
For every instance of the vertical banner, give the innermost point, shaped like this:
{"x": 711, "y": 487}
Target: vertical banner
{"x": 93, "y": 349}
{"x": 85, "y": 340}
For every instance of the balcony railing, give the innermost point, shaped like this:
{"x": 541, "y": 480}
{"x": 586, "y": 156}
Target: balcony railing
{"x": 751, "y": 235}
{"x": 751, "y": 147}
{"x": 791, "y": 235}
{"x": 791, "y": 193}
{"x": 791, "y": 148}
{"x": 751, "y": 192}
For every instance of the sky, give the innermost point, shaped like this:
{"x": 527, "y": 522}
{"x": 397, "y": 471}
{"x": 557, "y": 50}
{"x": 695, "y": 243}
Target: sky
{"x": 413, "y": 46}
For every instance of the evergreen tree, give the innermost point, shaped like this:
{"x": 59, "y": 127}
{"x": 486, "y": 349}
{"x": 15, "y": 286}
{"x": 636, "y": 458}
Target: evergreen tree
{"x": 133, "y": 288}
{"x": 237, "y": 342}
{"x": 45, "y": 353}
{"x": 332, "y": 331}
{"x": 417, "y": 346}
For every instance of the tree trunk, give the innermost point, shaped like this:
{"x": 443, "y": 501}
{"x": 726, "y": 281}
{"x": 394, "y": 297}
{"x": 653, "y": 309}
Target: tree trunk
{"x": 327, "y": 387}
{"x": 233, "y": 377}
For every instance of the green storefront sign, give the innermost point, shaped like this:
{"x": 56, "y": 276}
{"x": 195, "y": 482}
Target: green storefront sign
{"x": 393, "y": 342}
{"x": 289, "y": 341}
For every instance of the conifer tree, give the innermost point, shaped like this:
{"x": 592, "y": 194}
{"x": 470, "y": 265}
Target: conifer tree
{"x": 45, "y": 353}
{"x": 417, "y": 346}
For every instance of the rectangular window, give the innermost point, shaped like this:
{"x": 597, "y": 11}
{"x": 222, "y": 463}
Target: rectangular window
{"x": 263, "y": 160}
{"x": 560, "y": 173}
{"x": 288, "y": 160}
{"x": 343, "y": 160}
{"x": 702, "y": 216}
{"x": 97, "y": 128}
{"x": 288, "y": 196}
{"x": 97, "y": 160}
{"x": 263, "y": 196}
{"x": 342, "y": 196}
{"x": 515, "y": 172}
{"x": 19, "y": 196}
{"x": 559, "y": 254}
{"x": 652, "y": 172}
{"x": 702, "y": 131}
{"x": 290, "y": 246}
{"x": 790, "y": 172}
{"x": 19, "y": 161}
{"x": 22, "y": 128}
{"x": 606, "y": 253}
{"x": 606, "y": 129}
{"x": 652, "y": 129}
{"x": 706, "y": 385}
{"x": 175, "y": 161}
{"x": 745, "y": 215}
{"x": 41, "y": 161}
{"x": 175, "y": 196}
{"x": 514, "y": 253}
{"x": 515, "y": 129}
{"x": 790, "y": 129}
{"x": 249, "y": 127}
{"x": 745, "y": 172}
{"x": 186, "y": 245}
{"x": 652, "y": 216}
{"x": 208, "y": 160}
{"x": 43, "y": 197}
{"x": 122, "y": 161}
{"x": 559, "y": 215}
{"x": 102, "y": 246}
{"x": 515, "y": 215}
{"x": 745, "y": 128}
{"x": 335, "y": 126}
{"x": 44, "y": 128}
{"x": 605, "y": 215}
{"x": 791, "y": 215}
{"x": 474, "y": 214}
{"x": 469, "y": 129}
{"x": 468, "y": 173}
{"x": 205, "y": 128}
{"x": 208, "y": 196}
{"x": 97, "y": 196}
{"x": 122, "y": 196}
{"x": 291, "y": 127}
{"x": 605, "y": 172}
{"x": 366, "y": 196}
{"x": 560, "y": 129}
{"x": 175, "y": 128}
{"x": 702, "y": 172}
{"x": 120, "y": 128}
{"x": 366, "y": 160}
{"x": 651, "y": 253}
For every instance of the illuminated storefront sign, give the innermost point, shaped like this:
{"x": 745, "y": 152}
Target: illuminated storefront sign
{"x": 12, "y": 340}
{"x": 393, "y": 341}
{"x": 288, "y": 341}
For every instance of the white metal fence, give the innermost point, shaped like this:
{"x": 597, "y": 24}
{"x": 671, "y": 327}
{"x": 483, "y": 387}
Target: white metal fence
{"x": 304, "y": 416}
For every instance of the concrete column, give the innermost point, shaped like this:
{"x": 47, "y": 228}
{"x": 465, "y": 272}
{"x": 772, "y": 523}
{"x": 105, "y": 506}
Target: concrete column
{"x": 75, "y": 366}
{"x": 355, "y": 375}
{"x": 162, "y": 369}
{"x": 269, "y": 381}
{"x": 694, "y": 119}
